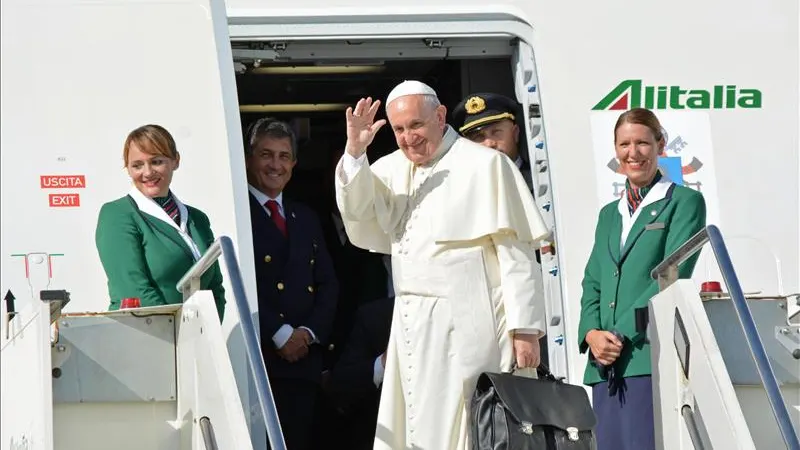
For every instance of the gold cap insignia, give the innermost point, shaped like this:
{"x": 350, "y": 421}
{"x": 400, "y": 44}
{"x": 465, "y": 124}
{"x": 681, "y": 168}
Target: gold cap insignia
{"x": 475, "y": 105}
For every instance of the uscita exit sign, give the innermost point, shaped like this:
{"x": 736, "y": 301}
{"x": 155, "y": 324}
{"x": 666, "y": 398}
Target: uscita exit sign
{"x": 65, "y": 200}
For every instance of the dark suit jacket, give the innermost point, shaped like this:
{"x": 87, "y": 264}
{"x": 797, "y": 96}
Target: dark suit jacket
{"x": 525, "y": 170}
{"x": 351, "y": 385}
{"x": 144, "y": 257}
{"x": 296, "y": 285}
{"x": 362, "y": 278}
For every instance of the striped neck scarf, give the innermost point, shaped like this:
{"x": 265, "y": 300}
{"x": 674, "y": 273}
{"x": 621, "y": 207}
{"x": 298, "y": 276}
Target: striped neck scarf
{"x": 636, "y": 195}
{"x": 170, "y": 207}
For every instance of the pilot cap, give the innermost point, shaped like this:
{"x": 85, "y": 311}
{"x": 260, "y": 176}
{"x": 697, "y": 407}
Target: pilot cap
{"x": 478, "y": 110}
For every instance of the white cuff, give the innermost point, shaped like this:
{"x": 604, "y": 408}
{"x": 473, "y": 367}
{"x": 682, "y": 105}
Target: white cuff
{"x": 534, "y": 331}
{"x": 377, "y": 372}
{"x": 313, "y": 336}
{"x": 350, "y": 166}
{"x": 282, "y": 335}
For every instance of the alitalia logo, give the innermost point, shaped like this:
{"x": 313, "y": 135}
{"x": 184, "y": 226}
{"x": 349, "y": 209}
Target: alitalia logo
{"x": 635, "y": 94}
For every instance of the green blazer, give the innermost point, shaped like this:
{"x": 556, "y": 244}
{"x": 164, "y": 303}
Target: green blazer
{"x": 617, "y": 280}
{"x": 145, "y": 257}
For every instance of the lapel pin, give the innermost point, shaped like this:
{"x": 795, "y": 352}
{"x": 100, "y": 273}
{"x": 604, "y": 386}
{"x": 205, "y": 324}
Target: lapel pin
{"x": 653, "y": 212}
{"x": 293, "y": 215}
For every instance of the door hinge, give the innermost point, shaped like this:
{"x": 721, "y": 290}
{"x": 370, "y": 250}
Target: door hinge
{"x": 278, "y": 46}
{"x": 434, "y": 43}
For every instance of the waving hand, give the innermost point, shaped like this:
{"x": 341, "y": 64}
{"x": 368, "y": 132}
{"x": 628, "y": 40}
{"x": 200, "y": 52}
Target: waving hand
{"x": 361, "y": 126}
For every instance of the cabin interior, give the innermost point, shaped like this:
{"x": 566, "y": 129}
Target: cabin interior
{"x": 312, "y": 89}
{"x": 310, "y": 85}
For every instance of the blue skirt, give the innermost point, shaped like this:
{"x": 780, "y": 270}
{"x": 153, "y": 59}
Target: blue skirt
{"x": 625, "y": 419}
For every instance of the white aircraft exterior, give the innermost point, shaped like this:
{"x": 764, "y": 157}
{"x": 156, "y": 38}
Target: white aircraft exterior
{"x": 77, "y": 76}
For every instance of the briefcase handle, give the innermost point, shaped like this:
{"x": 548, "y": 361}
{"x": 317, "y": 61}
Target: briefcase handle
{"x": 543, "y": 372}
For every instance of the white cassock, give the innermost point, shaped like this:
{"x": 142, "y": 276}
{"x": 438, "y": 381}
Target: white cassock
{"x": 462, "y": 233}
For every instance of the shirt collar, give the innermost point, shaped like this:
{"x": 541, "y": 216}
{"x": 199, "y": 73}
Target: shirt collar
{"x": 263, "y": 198}
{"x": 643, "y": 190}
{"x": 655, "y": 191}
{"x": 149, "y": 206}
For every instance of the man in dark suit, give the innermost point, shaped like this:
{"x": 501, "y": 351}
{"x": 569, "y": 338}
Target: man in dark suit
{"x": 354, "y": 383}
{"x": 297, "y": 287}
{"x": 491, "y": 120}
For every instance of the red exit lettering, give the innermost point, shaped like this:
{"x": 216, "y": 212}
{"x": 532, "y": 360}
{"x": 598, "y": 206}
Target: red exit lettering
{"x": 65, "y": 200}
{"x": 62, "y": 181}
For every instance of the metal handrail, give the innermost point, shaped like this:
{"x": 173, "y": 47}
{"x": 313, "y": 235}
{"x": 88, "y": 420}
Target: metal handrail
{"x": 667, "y": 273}
{"x": 207, "y": 430}
{"x": 692, "y": 427}
{"x": 190, "y": 283}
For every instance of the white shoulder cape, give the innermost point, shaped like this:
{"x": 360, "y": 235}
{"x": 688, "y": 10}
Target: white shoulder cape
{"x": 481, "y": 192}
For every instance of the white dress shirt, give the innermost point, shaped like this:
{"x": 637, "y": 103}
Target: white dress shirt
{"x": 285, "y": 331}
{"x": 377, "y": 372}
{"x": 263, "y": 198}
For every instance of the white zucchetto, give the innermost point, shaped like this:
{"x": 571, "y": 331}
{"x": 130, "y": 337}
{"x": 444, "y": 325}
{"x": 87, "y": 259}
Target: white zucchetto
{"x": 410, "y": 87}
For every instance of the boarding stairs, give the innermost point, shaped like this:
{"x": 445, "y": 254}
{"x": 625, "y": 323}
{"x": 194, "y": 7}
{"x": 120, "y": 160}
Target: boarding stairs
{"x": 726, "y": 366}
{"x": 726, "y": 373}
{"x": 155, "y": 378}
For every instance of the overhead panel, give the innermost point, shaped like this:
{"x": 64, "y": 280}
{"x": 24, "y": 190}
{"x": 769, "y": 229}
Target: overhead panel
{"x": 354, "y": 50}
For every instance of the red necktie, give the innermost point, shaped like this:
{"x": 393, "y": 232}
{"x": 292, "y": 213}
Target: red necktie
{"x": 275, "y": 213}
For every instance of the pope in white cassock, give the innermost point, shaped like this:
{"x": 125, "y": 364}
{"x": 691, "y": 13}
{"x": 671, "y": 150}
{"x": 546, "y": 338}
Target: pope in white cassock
{"x": 461, "y": 227}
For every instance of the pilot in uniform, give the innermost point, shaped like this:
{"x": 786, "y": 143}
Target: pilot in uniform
{"x": 491, "y": 120}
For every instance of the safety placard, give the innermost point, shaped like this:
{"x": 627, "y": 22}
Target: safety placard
{"x": 62, "y": 181}
{"x": 64, "y": 200}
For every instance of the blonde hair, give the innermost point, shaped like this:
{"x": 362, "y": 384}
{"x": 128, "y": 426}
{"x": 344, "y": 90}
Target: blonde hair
{"x": 151, "y": 139}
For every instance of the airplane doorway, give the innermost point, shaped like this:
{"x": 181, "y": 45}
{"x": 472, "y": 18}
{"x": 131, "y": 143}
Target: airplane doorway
{"x": 312, "y": 92}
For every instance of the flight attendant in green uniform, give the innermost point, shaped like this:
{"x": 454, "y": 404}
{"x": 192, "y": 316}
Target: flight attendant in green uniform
{"x": 634, "y": 234}
{"x": 148, "y": 239}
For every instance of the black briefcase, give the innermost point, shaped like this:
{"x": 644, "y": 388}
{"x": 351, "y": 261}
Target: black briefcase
{"x": 510, "y": 412}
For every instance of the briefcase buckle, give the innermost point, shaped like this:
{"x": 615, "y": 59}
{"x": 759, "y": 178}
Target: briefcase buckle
{"x": 526, "y": 428}
{"x": 572, "y": 434}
